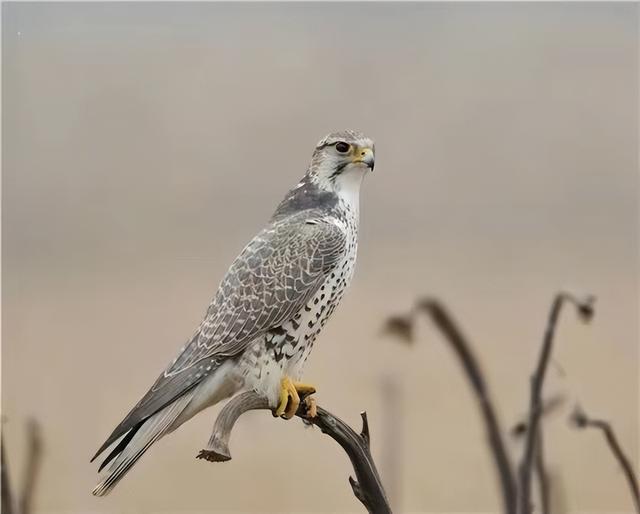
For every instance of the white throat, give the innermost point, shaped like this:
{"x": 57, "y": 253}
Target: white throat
{"x": 347, "y": 187}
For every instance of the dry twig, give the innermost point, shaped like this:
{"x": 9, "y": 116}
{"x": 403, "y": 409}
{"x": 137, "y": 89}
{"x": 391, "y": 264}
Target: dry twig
{"x": 461, "y": 346}
{"x": 585, "y": 310}
{"x": 542, "y": 476}
{"x": 519, "y": 430}
{"x": 367, "y": 486}
{"x": 581, "y": 420}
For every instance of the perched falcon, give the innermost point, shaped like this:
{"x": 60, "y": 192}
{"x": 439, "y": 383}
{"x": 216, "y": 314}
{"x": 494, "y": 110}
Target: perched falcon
{"x": 274, "y": 300}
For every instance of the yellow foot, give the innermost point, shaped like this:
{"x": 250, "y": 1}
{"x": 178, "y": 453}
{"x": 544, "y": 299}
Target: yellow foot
{"x": 289, "y": 400}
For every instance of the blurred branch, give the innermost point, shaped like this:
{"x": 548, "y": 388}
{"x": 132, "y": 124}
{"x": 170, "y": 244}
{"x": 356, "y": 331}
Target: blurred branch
{"x": 367, "y": 488}
{"x": 542, "y": 476}
{"x": 400, "y": 327}
{"x": 32, "y": 469}
{"x": 549, "y": 406}
{"x": 462, "y": 348}
{"x": 539, "y": 468}
{"x": 585, "y": 310}
{"x": 581, "y": 420}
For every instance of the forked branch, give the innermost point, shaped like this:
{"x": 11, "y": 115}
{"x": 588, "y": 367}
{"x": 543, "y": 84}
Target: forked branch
{"x": 367, "y": 486}
{"x": 584, "y": 307}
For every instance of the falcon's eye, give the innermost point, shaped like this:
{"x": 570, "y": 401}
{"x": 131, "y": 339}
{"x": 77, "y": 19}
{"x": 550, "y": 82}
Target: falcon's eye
{"x": 343, "y": 147}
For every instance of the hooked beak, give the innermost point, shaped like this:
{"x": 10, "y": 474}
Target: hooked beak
{"x": 365, "y": 156}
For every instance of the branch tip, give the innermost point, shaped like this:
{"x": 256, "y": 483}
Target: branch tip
{"x": 357, "y": 490}
{"x": 367, "y": 488}
{"x": 581, "y": 420}
{"x": 400, "y": 327}
{"x": 213, "y": 456}
{"x": 578, "y": 417}
{"x": 584, "y": 304}
{"x": 364, "y": 433}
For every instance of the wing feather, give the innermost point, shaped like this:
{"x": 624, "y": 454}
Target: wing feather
{"x": 273, "y": 278}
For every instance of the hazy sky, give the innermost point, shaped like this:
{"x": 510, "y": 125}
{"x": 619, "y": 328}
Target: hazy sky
{"x": 144, "y": 144}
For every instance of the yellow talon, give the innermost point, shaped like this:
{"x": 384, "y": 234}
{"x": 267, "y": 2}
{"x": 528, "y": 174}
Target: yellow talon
{"x": 289, "y": 399}
{"x": 304, "y": 388}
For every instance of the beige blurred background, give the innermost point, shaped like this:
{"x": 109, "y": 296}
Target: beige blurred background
{"x": 144, "y": 144}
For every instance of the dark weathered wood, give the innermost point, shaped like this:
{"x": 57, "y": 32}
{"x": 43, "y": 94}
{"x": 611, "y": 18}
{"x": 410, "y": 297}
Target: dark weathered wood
{"x": 581, "y": 420}
{"x": 367, "y": 486}
{"x": 462, "y": 348}
{"x": 585, "y": 310}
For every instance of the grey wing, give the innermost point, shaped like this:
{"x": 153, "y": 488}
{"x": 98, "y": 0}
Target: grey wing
{"x": 272, "y": 279}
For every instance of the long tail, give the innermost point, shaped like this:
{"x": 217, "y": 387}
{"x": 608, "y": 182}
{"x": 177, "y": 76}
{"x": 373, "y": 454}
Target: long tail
{"x": 138, "y": 441}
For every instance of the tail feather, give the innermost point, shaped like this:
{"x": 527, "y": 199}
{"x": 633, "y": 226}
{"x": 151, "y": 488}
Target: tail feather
{"x": 120, "y": 446}
{"x": 138, "y": 441}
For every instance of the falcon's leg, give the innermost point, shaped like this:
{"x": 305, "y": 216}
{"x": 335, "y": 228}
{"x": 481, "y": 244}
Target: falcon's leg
{"x": 289, "y": 398}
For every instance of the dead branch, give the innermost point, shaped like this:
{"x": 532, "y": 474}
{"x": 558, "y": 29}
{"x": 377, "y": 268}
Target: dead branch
{"x": 462, "y": 348}
{"x": 581, "y": 420}
{"x": 367, "y": 486}
{"x": 585, "y": 310}
{"x": 549, "y": 406}
{"x": 540, "y": 470}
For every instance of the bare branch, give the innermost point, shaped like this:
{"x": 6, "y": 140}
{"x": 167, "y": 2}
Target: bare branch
{"x": 549, "y": 406}
{"x": 542, "y": 476}
{"x": 585, "y": 310}
{"x": 364, "y": 433}
{"x": 462, "y": 348}
{"x": 218, "y": 447}
{"x": 367, "y": 486}
{"x": 519, "y": 431}
{"x": 581, "y": 420}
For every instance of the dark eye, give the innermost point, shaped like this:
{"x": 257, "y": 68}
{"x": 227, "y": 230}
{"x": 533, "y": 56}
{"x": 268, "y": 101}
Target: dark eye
{"x": 343, "y": 147}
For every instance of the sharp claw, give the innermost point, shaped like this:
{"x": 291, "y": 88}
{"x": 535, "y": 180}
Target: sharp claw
{"x": 289, "y": 399}
{"x": 284, "y": 398}
{"x": 293, "y": 404}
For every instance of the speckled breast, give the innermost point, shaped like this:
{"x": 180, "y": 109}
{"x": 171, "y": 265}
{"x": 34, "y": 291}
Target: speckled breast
{"x": 292, "y": 342}
{"x": 284, "y": 349}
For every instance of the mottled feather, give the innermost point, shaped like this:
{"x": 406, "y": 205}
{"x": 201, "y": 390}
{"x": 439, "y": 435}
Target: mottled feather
{"x": 273, "y": 278}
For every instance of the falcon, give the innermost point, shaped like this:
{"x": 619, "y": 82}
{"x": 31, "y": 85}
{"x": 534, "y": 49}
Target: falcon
{"x": 268, "y": 310}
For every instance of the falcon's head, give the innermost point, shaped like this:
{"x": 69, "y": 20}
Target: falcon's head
{"x": 341, "y": 160}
